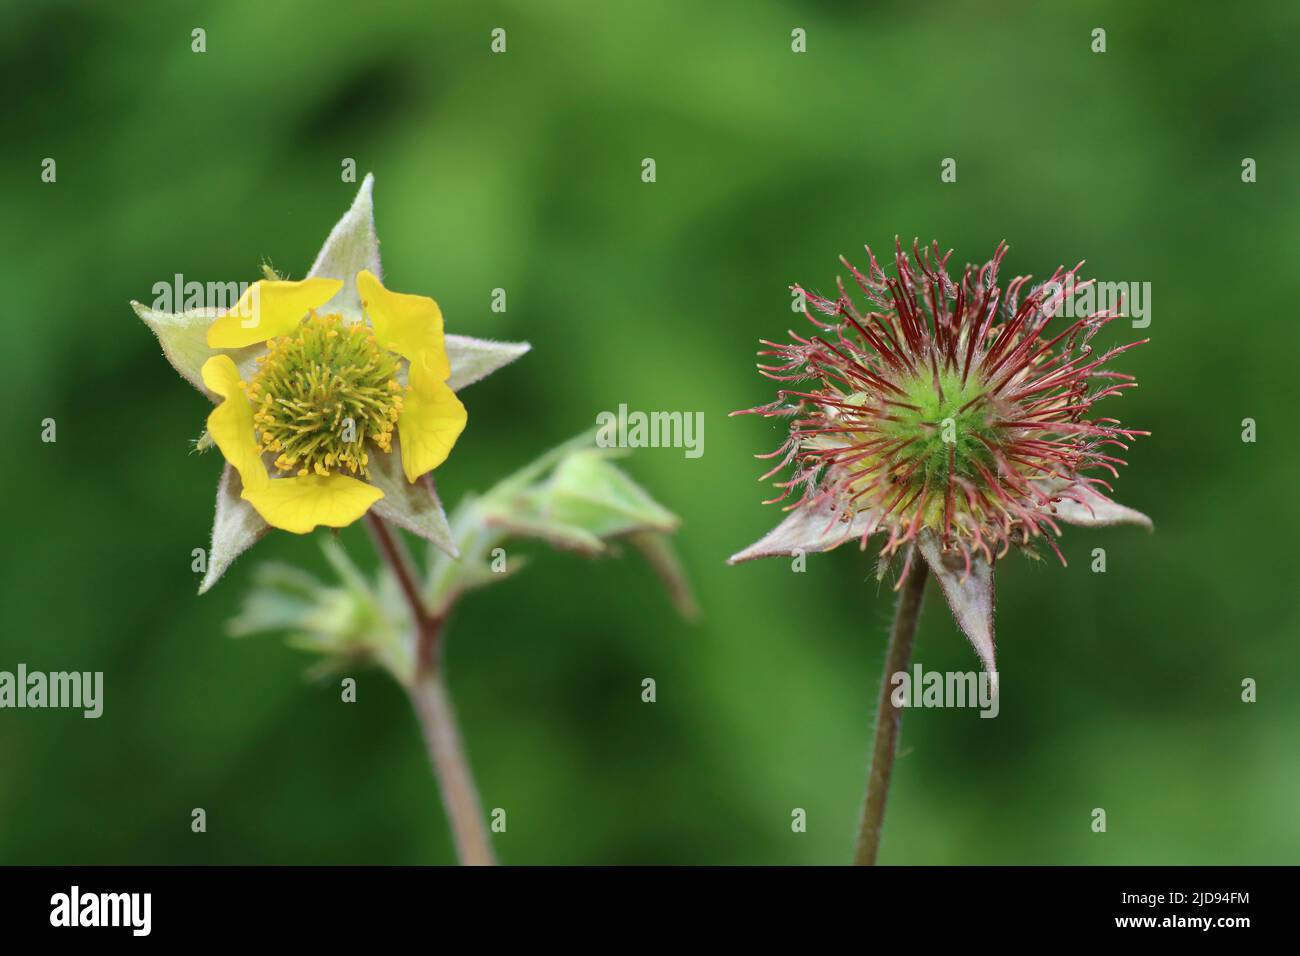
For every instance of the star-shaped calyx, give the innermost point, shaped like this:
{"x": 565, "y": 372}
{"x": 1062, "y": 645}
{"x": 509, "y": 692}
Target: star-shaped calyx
{"x": 335, "y": 396}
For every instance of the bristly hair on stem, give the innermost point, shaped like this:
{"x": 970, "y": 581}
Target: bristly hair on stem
{"x": 889, "y": 716}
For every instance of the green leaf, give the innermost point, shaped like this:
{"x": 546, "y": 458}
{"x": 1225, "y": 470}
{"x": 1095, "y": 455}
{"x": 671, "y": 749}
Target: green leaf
{"x": 589, "y": 492}
{"x": 521, "y": 524}
{"x": 448, "y": 579}
{"x": 345, "y": 623}
{"x": 658, "y": 550}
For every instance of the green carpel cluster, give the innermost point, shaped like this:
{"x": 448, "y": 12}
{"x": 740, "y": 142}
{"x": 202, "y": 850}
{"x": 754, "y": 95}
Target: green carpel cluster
{"x": 321, "y": 393}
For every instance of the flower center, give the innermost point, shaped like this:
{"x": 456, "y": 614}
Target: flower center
{"x": 922, "y": 438}
{"x": 321, "y": 393}
{"x": 948, "y": 428}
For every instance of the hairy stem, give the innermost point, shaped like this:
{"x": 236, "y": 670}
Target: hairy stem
{"x": 429, "y": 698}
{"x": 459, "y": 795}
{"x": 888, "y": 717}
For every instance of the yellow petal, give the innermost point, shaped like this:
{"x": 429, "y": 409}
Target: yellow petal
{"x": 410, "y": 325}
{"x": 269, "y": 308}
{"x": 431, "y": 420}
{"x": 300, "y": 504}
{"x": 231, "y": 423}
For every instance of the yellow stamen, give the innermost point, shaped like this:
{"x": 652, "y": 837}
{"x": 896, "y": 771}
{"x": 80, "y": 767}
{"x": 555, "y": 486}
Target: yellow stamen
{"x": 319, "y": 395}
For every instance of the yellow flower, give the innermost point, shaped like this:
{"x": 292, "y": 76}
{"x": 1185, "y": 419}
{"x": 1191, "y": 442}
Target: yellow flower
{"x": 334, "y": 395}
{"x": 327, "y": 397}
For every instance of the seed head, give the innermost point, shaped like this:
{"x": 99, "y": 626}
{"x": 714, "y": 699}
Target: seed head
{"x": 945, "y": 405}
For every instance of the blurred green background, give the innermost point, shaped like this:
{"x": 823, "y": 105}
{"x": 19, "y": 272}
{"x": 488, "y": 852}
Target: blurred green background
{"x": 1120, "y": 690}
